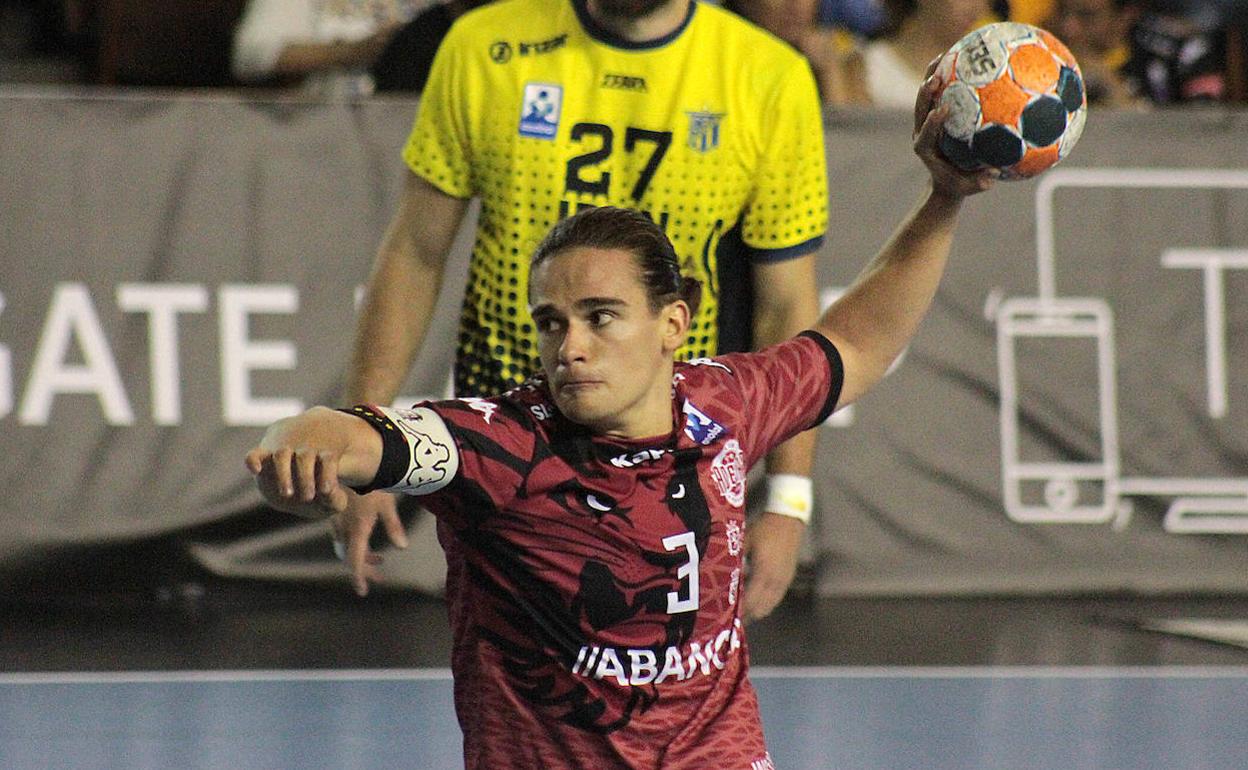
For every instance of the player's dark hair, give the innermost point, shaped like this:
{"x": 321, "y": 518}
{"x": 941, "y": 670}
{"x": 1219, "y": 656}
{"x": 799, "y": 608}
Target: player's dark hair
{"x": 608, "y": 227}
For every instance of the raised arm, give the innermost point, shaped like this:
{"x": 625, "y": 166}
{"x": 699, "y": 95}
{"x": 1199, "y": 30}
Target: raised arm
{"x": 876, "y": 318}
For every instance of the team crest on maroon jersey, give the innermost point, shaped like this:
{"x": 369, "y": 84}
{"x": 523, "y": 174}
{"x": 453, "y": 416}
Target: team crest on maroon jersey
{"x": 728, "y": 471}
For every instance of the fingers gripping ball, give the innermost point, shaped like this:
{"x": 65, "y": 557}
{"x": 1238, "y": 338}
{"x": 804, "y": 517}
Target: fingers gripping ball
{"x": 1015, "y": 97}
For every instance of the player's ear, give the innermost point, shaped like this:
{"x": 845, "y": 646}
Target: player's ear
{"x": 676, "y": 319}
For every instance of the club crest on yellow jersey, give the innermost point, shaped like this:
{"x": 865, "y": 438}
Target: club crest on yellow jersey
{"x": 703, "y": 130}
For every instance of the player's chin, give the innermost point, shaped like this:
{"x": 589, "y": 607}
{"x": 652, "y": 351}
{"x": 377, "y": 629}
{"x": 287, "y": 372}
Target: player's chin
{"x": 581, "y": 405}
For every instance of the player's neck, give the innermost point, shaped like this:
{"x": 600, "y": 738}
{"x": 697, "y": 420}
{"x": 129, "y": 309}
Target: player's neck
{"x": 662, "y": 21}
{"x": 649, "y": 417}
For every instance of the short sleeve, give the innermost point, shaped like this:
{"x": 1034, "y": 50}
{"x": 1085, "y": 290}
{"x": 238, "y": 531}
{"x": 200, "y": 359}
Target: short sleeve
{"x": 787, "y": 214}
{"x": 786, "y": 388}
{"x": 439, "y": 147}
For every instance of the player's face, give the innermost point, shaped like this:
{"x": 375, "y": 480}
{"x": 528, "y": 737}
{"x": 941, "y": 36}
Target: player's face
{"x": 606, "y": 354}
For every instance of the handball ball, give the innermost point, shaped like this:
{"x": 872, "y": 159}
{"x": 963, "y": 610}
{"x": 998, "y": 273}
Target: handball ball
{"x": 1016, "y": 100}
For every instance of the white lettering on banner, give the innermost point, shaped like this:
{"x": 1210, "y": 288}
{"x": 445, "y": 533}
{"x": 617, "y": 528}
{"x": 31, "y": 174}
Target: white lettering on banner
{"x": 1212, "y": 263}
{"x": 74, "y": 354}
{"x": 162, "y": 303}
{"x": 240, "y": 355}
{"x": 633, "y": 667}
{"x": 72, "y": 317}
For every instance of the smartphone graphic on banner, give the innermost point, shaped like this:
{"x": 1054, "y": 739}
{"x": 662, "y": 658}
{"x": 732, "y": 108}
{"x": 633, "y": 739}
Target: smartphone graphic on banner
{"x": 1058, "y": 478}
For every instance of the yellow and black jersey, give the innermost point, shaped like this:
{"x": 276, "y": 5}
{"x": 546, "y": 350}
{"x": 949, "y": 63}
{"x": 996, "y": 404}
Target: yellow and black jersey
{"x": 714, "y": 130}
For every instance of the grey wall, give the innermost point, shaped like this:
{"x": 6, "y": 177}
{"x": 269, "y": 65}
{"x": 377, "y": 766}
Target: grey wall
{"x": 175, "y": 273}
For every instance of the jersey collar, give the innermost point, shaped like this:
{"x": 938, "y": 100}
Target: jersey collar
{"x": 605, "y": 36}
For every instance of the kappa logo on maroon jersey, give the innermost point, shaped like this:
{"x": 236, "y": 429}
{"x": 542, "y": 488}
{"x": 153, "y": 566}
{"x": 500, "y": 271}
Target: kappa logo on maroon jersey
{"x": 486, "y": 408}
{"x": 709, "y": 362}
{"x": 630, "y": 459}
{"x": 728, "y": 472}
{"x": 428, "y": 446}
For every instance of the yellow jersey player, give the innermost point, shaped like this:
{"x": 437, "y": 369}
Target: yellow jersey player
{"x": 540, "y": 108}
{"x": 539, "y": 111}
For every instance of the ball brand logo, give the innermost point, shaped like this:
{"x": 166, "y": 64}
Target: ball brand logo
{"x": 980, "y": 56}
{"x": 728, "y": 472}
{"x": 1015, "y": 100}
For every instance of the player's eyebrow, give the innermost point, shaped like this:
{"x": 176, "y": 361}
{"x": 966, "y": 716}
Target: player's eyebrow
{"x": 585, "y": 303}
{"x": 589, "y": 303}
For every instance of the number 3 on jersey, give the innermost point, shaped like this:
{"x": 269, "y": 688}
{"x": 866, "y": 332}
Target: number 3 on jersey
{"x": 688, "y": 570}
{"x": 584, "y": 175}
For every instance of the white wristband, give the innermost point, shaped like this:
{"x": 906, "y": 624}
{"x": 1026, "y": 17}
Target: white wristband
{"x": 790, "y": 495}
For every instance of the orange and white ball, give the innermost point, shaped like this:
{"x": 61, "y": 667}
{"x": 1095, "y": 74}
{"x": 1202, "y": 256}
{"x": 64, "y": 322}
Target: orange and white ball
{"x": 1016, "y": 98}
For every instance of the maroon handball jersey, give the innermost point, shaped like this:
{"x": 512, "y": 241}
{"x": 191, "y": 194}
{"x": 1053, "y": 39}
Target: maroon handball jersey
{"x": 594, "y": 583}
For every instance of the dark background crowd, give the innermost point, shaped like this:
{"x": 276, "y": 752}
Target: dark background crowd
{"x": 1133, "y": 52}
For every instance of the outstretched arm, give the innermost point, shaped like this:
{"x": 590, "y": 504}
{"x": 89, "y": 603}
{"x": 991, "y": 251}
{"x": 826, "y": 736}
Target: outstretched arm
{"x": 305, "y": 463}
{"x": 876, "y": 318}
